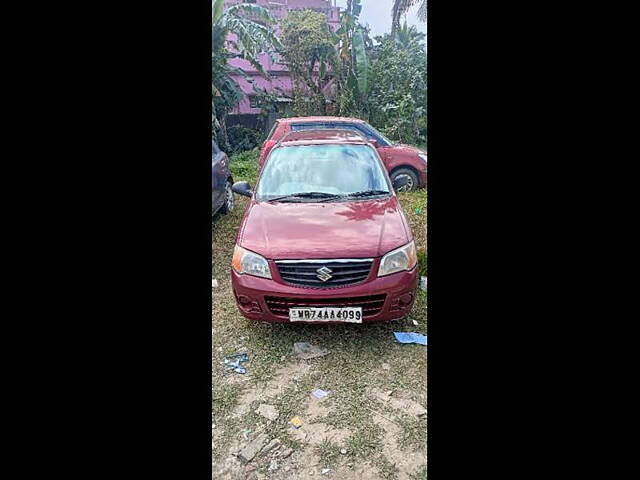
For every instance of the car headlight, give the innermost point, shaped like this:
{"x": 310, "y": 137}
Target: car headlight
{"x": 398, "y": 260}
{"x": 423, "y": 156}
{"x": 247, "y": 262}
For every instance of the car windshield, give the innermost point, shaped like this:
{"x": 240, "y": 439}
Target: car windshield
{"x": 322, "y": 171}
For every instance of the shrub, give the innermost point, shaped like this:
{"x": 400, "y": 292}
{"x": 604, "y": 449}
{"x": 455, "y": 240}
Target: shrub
{"x": 244, "y": 166}
{"x": 398, "y": 97}
{"x": 241, "y": 139}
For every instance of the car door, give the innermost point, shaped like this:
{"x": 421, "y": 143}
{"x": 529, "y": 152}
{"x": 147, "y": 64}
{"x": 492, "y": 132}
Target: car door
{"x": 218, "y": 177}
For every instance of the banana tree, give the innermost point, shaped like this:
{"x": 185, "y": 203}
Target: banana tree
{"x": 236, "y": 35}
{"x": 353, "y": 44}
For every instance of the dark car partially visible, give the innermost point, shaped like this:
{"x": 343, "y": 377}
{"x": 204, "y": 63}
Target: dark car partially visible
{"x": 221, "y": 182}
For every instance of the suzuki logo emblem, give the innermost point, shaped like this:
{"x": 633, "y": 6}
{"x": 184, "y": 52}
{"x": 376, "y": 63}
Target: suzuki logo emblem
{"x": 324, "y": 273}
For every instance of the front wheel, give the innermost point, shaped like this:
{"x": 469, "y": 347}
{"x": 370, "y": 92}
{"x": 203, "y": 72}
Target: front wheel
{"x": 228, "y": 199}
{"x": 404, "y": 180}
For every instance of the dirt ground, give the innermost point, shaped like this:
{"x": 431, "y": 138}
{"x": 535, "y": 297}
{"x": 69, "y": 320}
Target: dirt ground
{"x": 372, "y": 425}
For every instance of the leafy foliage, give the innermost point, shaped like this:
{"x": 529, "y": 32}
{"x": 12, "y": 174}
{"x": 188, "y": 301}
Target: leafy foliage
{"x": 236, "y": 35}
{"x": 353, "y": 77}
{"x": 400, "y": 7}
{"x": 398, "y": 98}
{"x": 244, "y": 166}
{"x": 241, "y": 138}
{"x": 310, "y": 55}
{"x": 342, "y": 73}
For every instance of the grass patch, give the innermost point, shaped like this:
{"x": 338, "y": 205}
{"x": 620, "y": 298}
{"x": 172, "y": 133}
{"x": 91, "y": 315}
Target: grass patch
{"x": 244, "y": 166}
{"x": 364, "y": 442}
{"x": 224, "y": 398}
{"x": 387, "y": 470}
{"x": 413, "y": 434}
{"x": 328, "y": 452}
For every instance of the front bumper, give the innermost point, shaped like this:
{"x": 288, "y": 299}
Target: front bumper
{"x": 388, "y": 298}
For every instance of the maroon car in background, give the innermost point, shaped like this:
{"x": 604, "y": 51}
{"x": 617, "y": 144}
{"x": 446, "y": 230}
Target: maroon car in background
{"x": 407, "y": 165}
{"x": 324, "y": 238}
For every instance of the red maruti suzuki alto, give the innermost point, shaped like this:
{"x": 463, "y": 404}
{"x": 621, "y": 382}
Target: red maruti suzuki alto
{"x": 324, "y": 238}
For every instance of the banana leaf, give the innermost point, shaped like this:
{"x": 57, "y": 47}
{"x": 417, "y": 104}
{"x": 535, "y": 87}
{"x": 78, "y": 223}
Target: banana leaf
{"x": 362, "y": 62}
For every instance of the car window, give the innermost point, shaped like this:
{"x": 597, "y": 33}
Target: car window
{"x": 384, "y": 141}
{"x": 353, "y": 128}
{"x": 308, "y": 126}
{"x": 334, "y": 169}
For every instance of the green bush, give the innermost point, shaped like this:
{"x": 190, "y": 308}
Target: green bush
{"x": 398, "y": 97}
{"x": 244, "y": 166}
{"x": 241, "y": 139}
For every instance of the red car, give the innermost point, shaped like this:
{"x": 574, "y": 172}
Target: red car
{"x": 324, "y": 238}
{"x": 406, "y": 165}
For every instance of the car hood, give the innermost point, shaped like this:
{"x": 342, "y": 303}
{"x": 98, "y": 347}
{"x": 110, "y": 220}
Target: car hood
{"x": 361, "y": 229}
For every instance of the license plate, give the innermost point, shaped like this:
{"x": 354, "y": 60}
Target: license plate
{"x": 326, "y": 314}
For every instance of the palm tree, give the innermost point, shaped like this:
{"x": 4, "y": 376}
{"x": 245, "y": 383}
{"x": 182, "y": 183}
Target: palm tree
{"x": 400, "y": 7}
{"x": 410, "y": 39}
{"x": 249, "y": 24}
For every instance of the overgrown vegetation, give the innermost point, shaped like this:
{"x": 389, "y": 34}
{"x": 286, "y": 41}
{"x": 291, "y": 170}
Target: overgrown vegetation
{"x": 236, "y": 35}
{"x": 241, "y": 139}
{"x": 343, "y": 73}
{"x": 244, "y": 166}
{"x": 398, "y": 98}
{"x": 309, "y": 50}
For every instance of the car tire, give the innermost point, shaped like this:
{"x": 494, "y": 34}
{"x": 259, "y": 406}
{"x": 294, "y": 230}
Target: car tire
{"x": 404, "y": 179}
{"x": 229, "y": 201}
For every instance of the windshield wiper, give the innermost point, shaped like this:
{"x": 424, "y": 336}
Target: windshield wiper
{"x": 364, "y": 193}
{"x": 367, "y": 193}
{"x": 305, "y": 195}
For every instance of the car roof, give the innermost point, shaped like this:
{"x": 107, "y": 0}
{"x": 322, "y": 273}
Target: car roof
{"x": 319, "y": 119}
{"x": 322, "y": 136}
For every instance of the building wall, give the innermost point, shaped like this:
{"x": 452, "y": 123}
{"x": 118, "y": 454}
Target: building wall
{"x": 280, "y": 81}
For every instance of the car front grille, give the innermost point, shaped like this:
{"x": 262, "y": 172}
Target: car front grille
{"x": 371, "y": 305}
{"x": 324, "y": 273}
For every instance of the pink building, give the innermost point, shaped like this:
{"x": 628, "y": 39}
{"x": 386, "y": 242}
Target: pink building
{"x": 280, "y": 81}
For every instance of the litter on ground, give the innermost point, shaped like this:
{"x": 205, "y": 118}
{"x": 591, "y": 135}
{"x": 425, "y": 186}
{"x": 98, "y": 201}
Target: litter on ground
{"x": 296, "y": 421}
{"x": 214, "y": 283}
{"x": 411, "y": 337}
{"x": 306, "y": 350}
{"x": 423, "y": 283}
{"x": 233, "y": 362}
{"x": 319, "y": 394}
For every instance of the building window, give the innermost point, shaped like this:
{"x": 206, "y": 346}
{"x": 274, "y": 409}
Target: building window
{"x": 254, "y": 102}
{"x": 248, "y": 1}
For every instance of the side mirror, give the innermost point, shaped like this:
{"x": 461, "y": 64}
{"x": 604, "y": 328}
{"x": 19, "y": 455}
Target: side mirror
{"x": 374, "y": 142}
{"x": 242, "y": 188}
